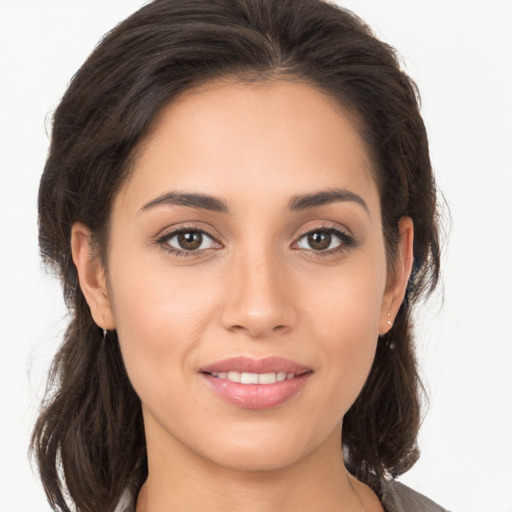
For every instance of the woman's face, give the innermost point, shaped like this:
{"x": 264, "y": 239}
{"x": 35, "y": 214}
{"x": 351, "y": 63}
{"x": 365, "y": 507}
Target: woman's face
{"x": 247, "y": 245}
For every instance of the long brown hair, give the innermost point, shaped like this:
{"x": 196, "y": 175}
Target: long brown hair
{"x": 89, "y": 439}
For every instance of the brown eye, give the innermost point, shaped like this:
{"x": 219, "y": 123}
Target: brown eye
{"x": 190, "y": 241}
{"x": 319, "y": 240}
{"x": 324, "y": 240}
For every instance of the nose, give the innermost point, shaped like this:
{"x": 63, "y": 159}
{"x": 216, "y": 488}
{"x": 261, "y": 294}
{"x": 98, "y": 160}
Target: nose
{"x": 259, "y": 297}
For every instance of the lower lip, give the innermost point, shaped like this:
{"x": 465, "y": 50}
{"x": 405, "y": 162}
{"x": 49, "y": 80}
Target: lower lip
{"x": 257, "y": 396}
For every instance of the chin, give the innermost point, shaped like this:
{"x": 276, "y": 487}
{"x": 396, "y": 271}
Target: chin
{"x": 269, "y": 450}
{"x": 255, "y": 460}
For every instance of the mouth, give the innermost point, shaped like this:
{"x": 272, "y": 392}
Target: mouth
{"x": 256, "y": 383}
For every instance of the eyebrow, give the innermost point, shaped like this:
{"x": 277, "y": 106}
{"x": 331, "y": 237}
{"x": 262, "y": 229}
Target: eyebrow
{"x": 202, "y": 201}
{"x": 214, "y": 204}
{"x": 323, "y": 197}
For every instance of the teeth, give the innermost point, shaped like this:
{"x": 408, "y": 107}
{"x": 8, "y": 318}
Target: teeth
{"x": 233, "y": 376}
{"x": 249, "y": 378}
{"x": 254, "y": 378}
{"x": 267, "y": 378}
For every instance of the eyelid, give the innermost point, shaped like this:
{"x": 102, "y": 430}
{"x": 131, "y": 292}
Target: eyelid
{"x": 325, "y": 226}
{"x": 347, "y": 240}
{"x": 171, "y": 231}
{"x": 188, "y": 226}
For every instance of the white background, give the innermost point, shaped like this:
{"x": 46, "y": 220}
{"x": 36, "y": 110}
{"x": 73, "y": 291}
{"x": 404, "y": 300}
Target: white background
{"x": 459, "y": 52}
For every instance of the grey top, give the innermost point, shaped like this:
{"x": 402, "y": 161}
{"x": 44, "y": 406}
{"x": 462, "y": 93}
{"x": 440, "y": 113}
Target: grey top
{"x": 396, "y": 497}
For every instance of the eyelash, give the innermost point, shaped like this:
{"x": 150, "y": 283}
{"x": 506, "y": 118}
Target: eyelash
{"x": 164, "y": 239}
{"x": 346, "y": 241}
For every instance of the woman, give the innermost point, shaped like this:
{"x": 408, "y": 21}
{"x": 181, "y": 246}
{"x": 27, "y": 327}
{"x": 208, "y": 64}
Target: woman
{"x": 240, "y": 203}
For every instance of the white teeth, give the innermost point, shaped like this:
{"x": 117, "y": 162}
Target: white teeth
{"x": 233, "y": 376}
{"x": 267, "y": 378}
{"x": 249, "y": 378}
{"x": 254, "y": 378}
{"x": 280, "y": 376}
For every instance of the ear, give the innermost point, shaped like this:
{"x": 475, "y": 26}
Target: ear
{"x": 91, "y": 276}
{"x": 398, "y": 276}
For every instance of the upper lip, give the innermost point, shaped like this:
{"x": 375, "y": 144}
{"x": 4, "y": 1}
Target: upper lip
{"x": 245, "y": 364}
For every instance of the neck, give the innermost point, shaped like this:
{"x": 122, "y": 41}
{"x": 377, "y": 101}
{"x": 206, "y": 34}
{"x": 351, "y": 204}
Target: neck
{"x": 180, "y": 481}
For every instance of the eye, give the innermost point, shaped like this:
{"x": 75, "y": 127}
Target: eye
{"x": 324, "y": 240}
{"x": 188, "y": 240}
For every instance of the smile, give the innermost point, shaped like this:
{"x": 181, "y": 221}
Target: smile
{"x": 251, "y": 383}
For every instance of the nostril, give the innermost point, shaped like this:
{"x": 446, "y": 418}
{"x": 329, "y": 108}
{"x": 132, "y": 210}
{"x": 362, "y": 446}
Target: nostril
{"x": 257, "y": 318}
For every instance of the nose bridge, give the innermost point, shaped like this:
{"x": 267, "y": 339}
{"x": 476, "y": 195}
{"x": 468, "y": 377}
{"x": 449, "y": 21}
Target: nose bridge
{"x": 257, "y": 299}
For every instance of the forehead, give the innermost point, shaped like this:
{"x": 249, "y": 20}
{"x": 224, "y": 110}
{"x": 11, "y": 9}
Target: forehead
{"x": 271, "y": 137}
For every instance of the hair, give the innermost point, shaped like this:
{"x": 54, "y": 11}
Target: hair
{"x": 89, "y": 438}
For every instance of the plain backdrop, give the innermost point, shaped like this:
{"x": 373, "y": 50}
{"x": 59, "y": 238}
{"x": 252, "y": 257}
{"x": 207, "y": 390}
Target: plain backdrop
{"x": 460, "y": 54}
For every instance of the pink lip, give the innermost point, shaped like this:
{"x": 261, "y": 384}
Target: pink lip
{"x": 250, "y": 365}
{"x": 256, "y": 396}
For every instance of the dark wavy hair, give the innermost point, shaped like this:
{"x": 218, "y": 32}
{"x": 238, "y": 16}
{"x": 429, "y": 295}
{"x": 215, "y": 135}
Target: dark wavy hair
{"x": 89, "y": 439}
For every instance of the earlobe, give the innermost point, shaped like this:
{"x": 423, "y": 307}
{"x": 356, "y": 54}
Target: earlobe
{"x": 91, "y": 276}
{"x": 399, "y": 278}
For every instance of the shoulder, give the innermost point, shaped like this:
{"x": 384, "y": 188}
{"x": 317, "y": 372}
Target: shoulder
{"x": 397, "y": 497}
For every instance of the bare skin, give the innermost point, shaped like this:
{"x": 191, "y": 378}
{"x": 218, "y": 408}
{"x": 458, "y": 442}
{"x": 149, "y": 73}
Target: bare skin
{"x": 273, "y": 274}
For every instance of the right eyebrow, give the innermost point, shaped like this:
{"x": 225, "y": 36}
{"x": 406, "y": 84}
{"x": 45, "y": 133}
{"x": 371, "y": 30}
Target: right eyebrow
{"x": 202, "y": 201}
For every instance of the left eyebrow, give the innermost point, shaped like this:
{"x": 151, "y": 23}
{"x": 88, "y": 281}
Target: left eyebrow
{"x": 323, "y": 197}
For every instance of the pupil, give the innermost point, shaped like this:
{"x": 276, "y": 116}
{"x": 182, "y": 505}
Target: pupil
{"x": 190, "y": 240}
{"x": 319, "y": 240}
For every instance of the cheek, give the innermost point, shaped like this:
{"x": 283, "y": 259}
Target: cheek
{"x": 345, "y": 317}
{"x": 347, "y": 301}
{"x": 160, "y": 317}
